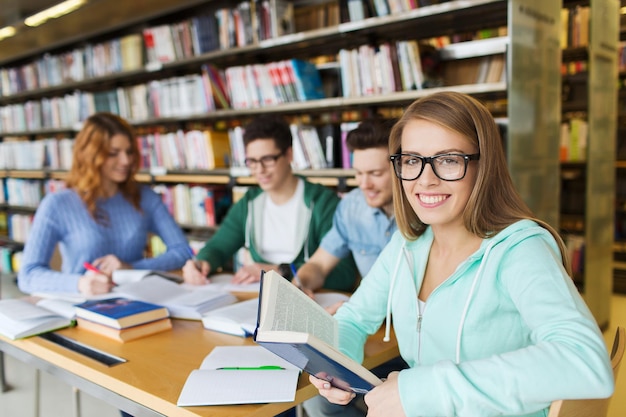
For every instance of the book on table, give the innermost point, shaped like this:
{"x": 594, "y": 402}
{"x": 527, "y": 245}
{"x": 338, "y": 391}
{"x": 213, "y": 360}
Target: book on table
{"x": 126, "y": 334}
{"x": 125, "y": 276}
{"x": 299, "y": 330}
{"x": 120, "y": 312}
{"x": 181, "y": 301}
{"x": 21, "y": 318}
{"x": 240, "y": 319}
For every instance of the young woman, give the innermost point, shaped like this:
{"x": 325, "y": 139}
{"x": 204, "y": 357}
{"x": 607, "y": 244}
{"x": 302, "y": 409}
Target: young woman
{"x": 103, "y": 217}
{"x": 483, "y": 308}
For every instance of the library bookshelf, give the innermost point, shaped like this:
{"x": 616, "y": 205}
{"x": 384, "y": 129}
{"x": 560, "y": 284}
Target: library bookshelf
{"x": 515, "y": 72}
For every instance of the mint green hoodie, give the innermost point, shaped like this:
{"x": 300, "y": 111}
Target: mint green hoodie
{"x": 504, "y": 335}
{"x": 242, "y": 226}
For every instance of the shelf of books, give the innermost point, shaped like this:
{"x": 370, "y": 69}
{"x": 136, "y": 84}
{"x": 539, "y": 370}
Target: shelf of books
{"x": 188, "y": 71}
{"x": 589, "y": 36}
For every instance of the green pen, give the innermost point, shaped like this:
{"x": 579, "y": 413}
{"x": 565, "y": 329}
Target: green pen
{"x": 252, "y": 368}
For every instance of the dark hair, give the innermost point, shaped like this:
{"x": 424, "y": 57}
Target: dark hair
{"x": 91, "y": 150}
{"x": 494, "y": 202}
{"x": 370, "y": 133}
{"x": 269, "y": 126}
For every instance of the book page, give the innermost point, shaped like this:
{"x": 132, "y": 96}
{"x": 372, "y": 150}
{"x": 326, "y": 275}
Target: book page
{"x": 238, "y": 318}
{"x": 20, "y": 310}
{"x": 293, "y": 310}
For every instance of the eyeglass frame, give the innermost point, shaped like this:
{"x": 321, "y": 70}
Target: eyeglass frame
{"x": 429, "y": 160}
{"x": 266, "y": 161}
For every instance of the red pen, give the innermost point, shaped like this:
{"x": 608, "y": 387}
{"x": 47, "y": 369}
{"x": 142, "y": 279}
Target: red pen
{"x": 91, "y": 268}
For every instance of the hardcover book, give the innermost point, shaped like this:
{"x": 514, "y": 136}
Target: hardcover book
{"x": 120, "y": 312}
{"x": 299, "y": 330}
{"x": 127, "y": 334}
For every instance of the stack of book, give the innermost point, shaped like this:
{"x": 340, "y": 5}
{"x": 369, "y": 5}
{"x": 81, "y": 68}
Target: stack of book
{"x": 122, "y": 319}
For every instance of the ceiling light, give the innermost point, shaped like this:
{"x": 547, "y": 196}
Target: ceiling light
{"x": 7, "y": 32}
{"x": 53, "y": 12}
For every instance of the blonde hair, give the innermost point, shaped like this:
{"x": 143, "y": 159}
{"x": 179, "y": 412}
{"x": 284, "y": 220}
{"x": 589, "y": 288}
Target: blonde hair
{"x": 91, "y": 150}
{"x": 494, "y": 203}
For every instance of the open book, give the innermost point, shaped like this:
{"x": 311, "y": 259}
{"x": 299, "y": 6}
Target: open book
{"x": 299, "y": 330}
{"x": 125, "y": 276}
{"x": 20, "y": 318}
{"x": 240, "y": 319}
{"x": 182, "y": 302}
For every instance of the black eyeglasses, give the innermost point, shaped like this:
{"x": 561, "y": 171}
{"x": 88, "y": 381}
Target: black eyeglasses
{"x": 448, "y": 166}
{"x": 266, "y": 161}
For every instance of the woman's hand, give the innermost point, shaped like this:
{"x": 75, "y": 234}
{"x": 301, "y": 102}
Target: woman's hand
{"x": 195, "y": 272}
{"x": 109, "y": 263}
{"x": 384, "y": 400}
{"x": 332, "y": 394}
{"x": 94, "y": 284}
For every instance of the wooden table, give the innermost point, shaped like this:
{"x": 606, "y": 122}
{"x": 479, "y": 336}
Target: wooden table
{"x": 151, "y": 381}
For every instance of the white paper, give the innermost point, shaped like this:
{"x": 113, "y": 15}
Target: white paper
{"x": 217, "y": 387}
{"x": 211, "y": 386}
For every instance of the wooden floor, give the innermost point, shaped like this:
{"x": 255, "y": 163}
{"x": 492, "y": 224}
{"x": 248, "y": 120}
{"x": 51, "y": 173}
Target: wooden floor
{"x": 55, "y": 398}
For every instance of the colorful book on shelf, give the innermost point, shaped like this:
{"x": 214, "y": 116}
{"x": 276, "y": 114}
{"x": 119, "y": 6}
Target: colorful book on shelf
{"x": 307, "y": 79}
{"x": 126, "y": 334}
{"x": 217, "y": 147}
{"x": 120, "y": 312}
{"x": 20, "y": 318}
{"x": 302, "y": 332}
{"x": 217, "y": 82}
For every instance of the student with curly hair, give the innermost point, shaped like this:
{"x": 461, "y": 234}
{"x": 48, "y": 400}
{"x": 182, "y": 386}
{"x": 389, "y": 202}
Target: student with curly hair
{"x": 103, "y": 217}
{"x": 483, "y": 307}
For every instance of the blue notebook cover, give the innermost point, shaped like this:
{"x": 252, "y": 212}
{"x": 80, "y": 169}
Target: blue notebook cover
{"x": 308, "y": 358}
{"x": 118, "y": 307}
{"x": 119, "y": 312}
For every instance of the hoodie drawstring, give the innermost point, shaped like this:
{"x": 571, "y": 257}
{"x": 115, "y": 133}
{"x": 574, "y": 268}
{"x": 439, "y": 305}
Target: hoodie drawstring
{"x": 393, "y": 281}
{"x": 468, "y": 300}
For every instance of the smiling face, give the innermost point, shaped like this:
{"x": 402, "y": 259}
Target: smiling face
{"x": 437, "y": 202}
{"x": 374, "y": 177}
{"x": 118, "y": 164}
{"x": 273, "y": 177}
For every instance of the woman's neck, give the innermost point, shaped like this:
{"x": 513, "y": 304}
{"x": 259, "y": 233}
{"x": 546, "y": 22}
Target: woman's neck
{"x": 109, "y": 189}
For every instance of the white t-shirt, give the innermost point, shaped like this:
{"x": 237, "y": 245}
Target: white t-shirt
{"x": 278, "y": 238}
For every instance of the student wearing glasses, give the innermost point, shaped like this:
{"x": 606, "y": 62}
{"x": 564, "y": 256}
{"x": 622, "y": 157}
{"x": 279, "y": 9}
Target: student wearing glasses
{"x": 483, "y": 307}
{"x": 280, "y": 223}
